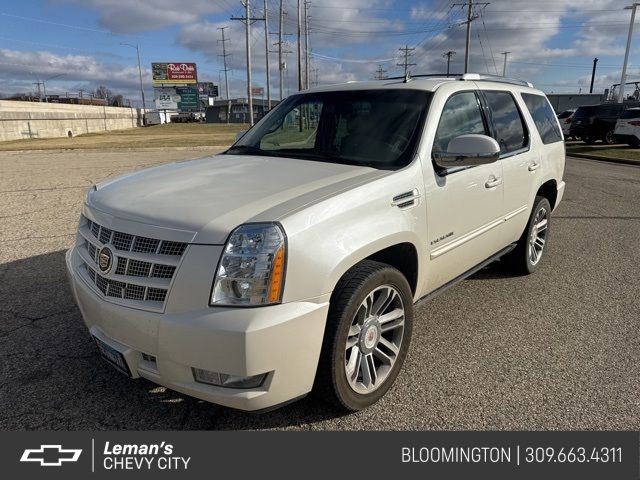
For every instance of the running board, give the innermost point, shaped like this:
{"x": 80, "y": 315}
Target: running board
{"x": 468, "y": 273}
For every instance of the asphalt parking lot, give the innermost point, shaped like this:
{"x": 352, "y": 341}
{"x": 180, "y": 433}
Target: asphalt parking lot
{"x": 556, "y": 350}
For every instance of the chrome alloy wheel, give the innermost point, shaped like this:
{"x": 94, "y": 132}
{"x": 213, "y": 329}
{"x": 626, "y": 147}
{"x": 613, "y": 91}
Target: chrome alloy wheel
{"x": 538, "y": 236}
{"x": 374, "y": 339}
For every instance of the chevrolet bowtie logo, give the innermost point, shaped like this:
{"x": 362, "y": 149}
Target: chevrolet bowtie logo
{"x": 50, "y": 455}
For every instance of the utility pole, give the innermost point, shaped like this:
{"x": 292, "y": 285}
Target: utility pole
{"x": 504, "y": 65}
{"x": 224, "y": 61}
{"x": 380, "y": 73}
{"x": 280, "y": 61}
{"x": 139, "y": 72}
{"x": 623, "y": 80}
{"x": 38, "y": 83}
{"x": 470, "y": 18}
{"x": 448, "y": 54}
{"x": 406, "y": 64}
{"x": 248, "y": 20}
{"x": 266, "y": 53}
{"x": 306, "y": 43}
{"x": 593, "y": 74}
{"x": 299, "y": 48}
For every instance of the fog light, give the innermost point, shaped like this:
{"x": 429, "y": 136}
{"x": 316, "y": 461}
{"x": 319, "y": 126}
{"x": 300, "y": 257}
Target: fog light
{"x": 227, "y": 381}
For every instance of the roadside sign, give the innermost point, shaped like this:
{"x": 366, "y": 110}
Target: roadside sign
{"x": 177, "y": 73}
{"x": 257, "y": 91}
{"x": 166, "y": 98}
{"x": 207, "y": 89}
{"x": 189, "y": 100}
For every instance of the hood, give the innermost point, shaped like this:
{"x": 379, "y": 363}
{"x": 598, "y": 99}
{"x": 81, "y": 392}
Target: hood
{"x": 213, "y": 195}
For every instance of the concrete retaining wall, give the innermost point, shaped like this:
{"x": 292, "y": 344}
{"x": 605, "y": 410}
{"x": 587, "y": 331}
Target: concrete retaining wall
{"x": 42, "y": 120}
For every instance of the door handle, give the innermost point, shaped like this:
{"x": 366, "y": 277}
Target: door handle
{"x": 493, "y": 182}
{"x": 533, "y": 167}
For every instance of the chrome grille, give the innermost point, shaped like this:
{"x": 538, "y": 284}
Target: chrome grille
{"x": 132, "y": 278}
{"x": 145, "y": 245}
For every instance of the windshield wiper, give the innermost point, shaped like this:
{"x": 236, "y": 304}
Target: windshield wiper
{"x": 247, "y": 149}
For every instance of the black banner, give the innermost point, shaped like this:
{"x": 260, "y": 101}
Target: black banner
{"x": 402, "y": 455}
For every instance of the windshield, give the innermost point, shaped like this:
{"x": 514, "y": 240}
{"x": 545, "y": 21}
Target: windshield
{"x": 375, "y": 128}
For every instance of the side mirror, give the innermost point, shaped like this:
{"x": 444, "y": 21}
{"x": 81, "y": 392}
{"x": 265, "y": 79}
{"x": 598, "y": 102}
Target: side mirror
{"x": 240, "y": 134}
{"x": 467, "y": 151}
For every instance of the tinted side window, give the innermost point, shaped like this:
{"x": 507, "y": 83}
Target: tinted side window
{"x": 511, "y": 132}
{"x": 460, "y": 115}
{"x": 543, "y": 117}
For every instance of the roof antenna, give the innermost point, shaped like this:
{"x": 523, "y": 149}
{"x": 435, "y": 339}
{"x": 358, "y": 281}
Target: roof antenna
{"x": 407, "y": 77}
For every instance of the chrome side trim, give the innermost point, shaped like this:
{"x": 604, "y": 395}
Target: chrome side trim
{"x": 475, "y": 233}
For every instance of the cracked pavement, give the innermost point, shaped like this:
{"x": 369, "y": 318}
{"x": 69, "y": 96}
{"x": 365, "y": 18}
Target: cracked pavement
{"x": 556, "y": 350}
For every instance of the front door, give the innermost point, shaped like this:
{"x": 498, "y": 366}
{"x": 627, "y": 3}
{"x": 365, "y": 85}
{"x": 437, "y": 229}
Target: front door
{"x": 464, "y": 205}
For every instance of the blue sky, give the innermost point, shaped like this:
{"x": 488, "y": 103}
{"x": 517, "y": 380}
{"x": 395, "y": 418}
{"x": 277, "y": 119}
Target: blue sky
{"x": 552, "y": 43}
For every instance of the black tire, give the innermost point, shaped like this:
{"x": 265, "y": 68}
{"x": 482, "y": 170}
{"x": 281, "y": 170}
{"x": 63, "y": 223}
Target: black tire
{"x": 519, "y": 260}
{"x": 331, "y": 382}
{"x": 589, "y": 140}
{"x": 609, "y": 138}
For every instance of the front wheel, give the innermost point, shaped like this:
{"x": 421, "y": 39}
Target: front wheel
{"x": 526, "y": 257}
{"x": 367, "y": 336}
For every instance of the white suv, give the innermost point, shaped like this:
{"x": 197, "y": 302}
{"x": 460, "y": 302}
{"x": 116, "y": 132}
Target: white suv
{"x": 294, "y": 259}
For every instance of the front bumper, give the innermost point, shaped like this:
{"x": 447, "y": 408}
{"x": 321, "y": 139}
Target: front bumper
{"x": 283, "y": 341}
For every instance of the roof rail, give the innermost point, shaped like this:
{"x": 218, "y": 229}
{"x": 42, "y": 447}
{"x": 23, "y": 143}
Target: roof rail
{"x": 495, "y": 78}
{"x": 467, "y": 76}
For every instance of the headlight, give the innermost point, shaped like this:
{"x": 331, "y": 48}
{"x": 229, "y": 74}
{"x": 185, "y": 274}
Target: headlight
{"x": 251, "y": 270}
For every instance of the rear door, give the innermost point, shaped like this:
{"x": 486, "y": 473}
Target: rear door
{"x": 520, "y": 163}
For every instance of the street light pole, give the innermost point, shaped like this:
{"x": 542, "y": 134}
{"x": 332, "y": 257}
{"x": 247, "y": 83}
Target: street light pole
{"x": 139, "y": 72}
{"x": 623, "y": 80}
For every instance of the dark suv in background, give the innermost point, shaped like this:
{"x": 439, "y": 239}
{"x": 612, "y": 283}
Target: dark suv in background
{"x": 597, "y": 122}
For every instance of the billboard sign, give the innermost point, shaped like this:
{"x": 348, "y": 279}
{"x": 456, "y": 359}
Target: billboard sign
{"x": 207, "y": 89}
{"x": 189, "y": 100}
{"x": 257, "y": 91}
{"x": 182, "y": 98}
{"x": 166, "y": 98}
{"x": 177, "y": 73}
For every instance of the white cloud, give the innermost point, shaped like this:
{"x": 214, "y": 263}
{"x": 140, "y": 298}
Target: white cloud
{"x": 132, "y": 16}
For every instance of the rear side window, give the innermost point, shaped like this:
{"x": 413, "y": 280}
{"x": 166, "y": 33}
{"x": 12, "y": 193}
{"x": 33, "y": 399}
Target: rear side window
{"x": 544, "y": 118}
{"x": 511, "y": 132}
{"x": 632, "y": 113}
{"x": 461, "y": 115}
{"x": 609, "y": 110}
{"x": 583, "y": 112}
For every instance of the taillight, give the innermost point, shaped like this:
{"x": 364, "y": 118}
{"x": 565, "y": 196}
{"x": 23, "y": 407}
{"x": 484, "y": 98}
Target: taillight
{"x": 635, "y": 123}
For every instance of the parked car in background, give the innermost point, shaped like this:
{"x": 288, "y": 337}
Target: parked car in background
{"x": 628, "y": 127}
{"x": 187, "y": 117}
{"x": 565, "y": 122}
{"x": 596, "y": 122}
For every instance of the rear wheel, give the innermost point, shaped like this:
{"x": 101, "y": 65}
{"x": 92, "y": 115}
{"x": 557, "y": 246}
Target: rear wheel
{"x": 589, "y": 140}
{"x": 367, "y": 336}
{"x": 609, "y": 138}
{"x": 526, "y": 257}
